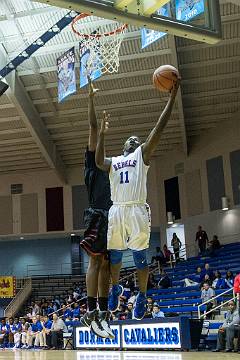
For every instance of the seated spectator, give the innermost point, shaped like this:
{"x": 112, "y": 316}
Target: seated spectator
{"x": 198, "y": 272}
{"x": 4, "y": 333}
{"x": 206, "y": 280}
{"x": 149, "y": 308}
{"x": 151, "y": 282}
{"x": 129, "y": 311}
{"x": 229, "y": 279}
{"x": 207, "y": 294}
{"x": 227, "y": 330}
{"x": 159, "y": 257}
{"x": 157, "y": 313}
{"x": 207, "y": 271}
{"x": 17, "y": 330}
{"x": 11, "y": 332}
{"x": 50, "y": 309}
{"x": 165, "y": 281}
{"x": 34, "y": 334}
{"x": 47, "y": 325}
{"x": 66, "y": 311}
{"x": 24, "y": 330}
{"x": 218, "y": 282}
{"x": 167, "y": 253}
{"x": 57, "y": 329}
{"x": 76, "y": 311}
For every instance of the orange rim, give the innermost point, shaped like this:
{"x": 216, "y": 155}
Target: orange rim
{"x": 111, "y": 33}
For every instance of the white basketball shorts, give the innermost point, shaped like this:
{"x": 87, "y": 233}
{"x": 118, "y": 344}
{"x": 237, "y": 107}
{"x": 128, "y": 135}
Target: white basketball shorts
{"x": 129, "y": 227}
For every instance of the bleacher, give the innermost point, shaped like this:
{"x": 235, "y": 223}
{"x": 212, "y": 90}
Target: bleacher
{"x": 185, "y": 300}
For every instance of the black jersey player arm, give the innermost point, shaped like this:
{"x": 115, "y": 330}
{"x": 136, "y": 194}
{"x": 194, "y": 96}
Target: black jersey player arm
{"x": 154, "y": 137}
{"x": 102, "y": 162}
{"x": 93, "y": 128}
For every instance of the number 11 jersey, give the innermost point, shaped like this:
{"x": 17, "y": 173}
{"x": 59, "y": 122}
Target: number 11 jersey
{"x": 128, "y": 178}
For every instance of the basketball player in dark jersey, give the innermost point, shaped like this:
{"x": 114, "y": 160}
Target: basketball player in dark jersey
{"x": 95, "y": 236}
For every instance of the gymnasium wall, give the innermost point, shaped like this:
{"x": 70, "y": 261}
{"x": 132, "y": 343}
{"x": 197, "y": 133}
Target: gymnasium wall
{"x": 215, "y": 153}
{"x": 36, "y": 257}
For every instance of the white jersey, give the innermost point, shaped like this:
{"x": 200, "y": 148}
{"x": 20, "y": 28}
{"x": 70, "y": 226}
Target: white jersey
{"x": 128, "y": 178}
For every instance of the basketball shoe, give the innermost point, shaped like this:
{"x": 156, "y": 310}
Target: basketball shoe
{"x": 140, "y": 307}
{"x": 114, "y": 297}
{"x": 104, "y": 317}
{"x": 91, "y": 320}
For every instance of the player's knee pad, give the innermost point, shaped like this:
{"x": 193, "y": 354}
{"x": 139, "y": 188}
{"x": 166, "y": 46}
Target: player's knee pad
{"x": 140, "y": 259}
{"x": 116, "y": 256}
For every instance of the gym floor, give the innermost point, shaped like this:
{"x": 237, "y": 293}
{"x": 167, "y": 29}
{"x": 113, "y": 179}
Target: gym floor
{"x": 112, "y": 355}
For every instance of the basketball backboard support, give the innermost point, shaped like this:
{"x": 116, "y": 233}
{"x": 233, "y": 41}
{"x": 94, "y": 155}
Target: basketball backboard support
{"x": 194, "y": 19}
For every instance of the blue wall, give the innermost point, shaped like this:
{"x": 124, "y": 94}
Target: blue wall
{"x": 44, "y": 256}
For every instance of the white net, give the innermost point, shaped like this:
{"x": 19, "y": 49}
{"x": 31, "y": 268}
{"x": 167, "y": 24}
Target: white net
{"x": 103, "y": 48}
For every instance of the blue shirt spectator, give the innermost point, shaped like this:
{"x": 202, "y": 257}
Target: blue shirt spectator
{"x": 76, "y": 311}
{"x": 157, "y": 313}
{"x": 218, "y": 282}
{"x": 229, "y": 279}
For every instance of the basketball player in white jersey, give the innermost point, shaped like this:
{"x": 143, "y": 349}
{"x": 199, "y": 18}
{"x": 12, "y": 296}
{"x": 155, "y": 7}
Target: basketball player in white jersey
{"x": 129, "y": 216}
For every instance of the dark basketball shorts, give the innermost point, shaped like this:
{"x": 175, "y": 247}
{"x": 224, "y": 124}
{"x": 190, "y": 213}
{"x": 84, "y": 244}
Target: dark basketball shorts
{"x": 95, "y": 236}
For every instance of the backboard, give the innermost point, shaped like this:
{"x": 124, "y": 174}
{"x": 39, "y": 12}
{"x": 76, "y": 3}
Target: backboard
{"x": 194, "y": 19}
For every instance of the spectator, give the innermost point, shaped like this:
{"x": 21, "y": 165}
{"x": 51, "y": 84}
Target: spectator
{"x": 35, "y": 334}
{"x": 133, "y": 296}
{"x": 47, "y": 325}
{"x": 149, "y": 307}
{"x": 176, "y": 244}
{"x": 50, "y": 309}
{"x": 207, "y": 271}
{"x": 151, "y": 282}
{"x": 17, "y": 330}
{"x": 236, "y": 284}
{"x": 156, "y": 313}
{"x": 11, "y": 332}
{"x": 164, "y": 282}
{"x": 66, "y": 312}
{"x": 229, "y": 279}
{"x": 202, "y": 239}
{"x": 167, "y": 253}
{"x": 24, "y": 330}
{"x": 129, "y": 311}
{"x": 227, "y": 330}
{"x": 159, "y": 257}
{"x": 214, "y": 245}
{"x": 4, "y": 333}
{"x": 57, "y": 329}
{"x": 76, "y": 311}
{"x": 206, "y": 280}
{"x": 207, "y": 294}
{"x": 218, "y": 282}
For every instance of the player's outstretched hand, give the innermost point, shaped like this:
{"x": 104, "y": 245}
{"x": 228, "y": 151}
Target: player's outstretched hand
{"x": 104, "y": 123}
{"x": 91, "y": 88}
{"x": 175, "y": 87}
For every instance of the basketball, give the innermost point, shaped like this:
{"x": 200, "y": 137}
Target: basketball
{"x": 164, "y": 77}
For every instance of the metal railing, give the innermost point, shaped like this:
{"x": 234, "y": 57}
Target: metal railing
{"x": 20, "y": 298}
{"x": 214, "y": 300}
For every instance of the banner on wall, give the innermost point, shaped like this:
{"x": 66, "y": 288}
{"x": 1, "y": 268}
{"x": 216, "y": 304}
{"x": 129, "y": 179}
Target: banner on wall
{"x": 188, "y": 9}
{"x": 146, "y": 336}
{"x": 7, "y": 286}
{"x": 85, "y": 338}
{"x": 150, "y": 36}
{"x": 66, "y": 75}
{"x": 84, "y": 56}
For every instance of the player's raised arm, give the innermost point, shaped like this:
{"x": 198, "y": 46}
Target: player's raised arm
{"x": 93, "y": 128}
{"x": 101, "y": 161}
{"x": 154, "y": 137}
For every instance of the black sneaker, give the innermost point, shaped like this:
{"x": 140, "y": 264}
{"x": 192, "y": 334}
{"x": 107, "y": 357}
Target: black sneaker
{"x": 91, "y": 320}
{"x": 104, "y": 317}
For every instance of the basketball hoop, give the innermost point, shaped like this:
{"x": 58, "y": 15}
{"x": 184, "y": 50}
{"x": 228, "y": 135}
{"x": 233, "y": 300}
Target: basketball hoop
{"x": 103, "y": 46}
